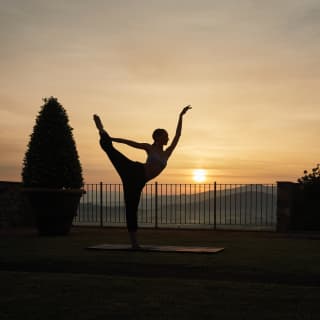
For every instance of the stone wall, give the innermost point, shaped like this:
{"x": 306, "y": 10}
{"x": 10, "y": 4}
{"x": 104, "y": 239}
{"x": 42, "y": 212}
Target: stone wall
{"x": 298, "y": 207}
{"x": 13, "y": 210}
{"x": 285, "y": 205}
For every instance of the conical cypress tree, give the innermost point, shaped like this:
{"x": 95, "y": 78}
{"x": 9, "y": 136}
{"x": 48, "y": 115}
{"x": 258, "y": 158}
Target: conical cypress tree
{"x": 51, "y": 159}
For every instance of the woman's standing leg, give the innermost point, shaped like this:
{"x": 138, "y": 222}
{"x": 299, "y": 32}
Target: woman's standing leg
{"x": 132, "y": 194}
{"x": 133, "y": 187}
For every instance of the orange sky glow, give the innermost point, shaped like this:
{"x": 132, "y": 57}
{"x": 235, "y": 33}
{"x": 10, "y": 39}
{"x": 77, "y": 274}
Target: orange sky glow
{"x": 249, "y": 69}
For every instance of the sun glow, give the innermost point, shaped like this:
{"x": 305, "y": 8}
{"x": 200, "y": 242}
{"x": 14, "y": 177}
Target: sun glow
{"x": 199, "y": 175}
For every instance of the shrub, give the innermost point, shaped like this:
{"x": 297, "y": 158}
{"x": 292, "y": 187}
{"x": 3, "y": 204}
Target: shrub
{"x": 51, "y": 159}
{"x": 311, "y": 178}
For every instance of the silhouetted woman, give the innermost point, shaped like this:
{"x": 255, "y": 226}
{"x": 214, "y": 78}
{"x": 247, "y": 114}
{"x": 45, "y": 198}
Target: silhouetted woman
{"x": 135, "y": 175}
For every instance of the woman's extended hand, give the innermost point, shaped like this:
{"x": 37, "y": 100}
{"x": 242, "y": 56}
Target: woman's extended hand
{"x": 185, "y": 109}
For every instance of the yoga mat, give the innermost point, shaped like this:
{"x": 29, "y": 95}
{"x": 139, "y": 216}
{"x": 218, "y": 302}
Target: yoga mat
{"x": 156, "y": 248}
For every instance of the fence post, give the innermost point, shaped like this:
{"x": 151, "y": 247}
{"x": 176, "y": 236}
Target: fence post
{"x": 101, "y": 205}
{"x": 215, "y": 205}
{"x": 156, "y": 205}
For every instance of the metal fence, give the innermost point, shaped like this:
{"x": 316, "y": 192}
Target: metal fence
{"x": 212, "y": 206}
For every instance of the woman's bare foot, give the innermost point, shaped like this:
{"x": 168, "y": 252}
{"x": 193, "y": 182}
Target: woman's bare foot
{"x": 134, "y": 241}
{"x": 135, "y": 247}
{"x": 98, "y": 122}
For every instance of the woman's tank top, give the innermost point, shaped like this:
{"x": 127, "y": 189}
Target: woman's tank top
{"x": 155, "y": 164}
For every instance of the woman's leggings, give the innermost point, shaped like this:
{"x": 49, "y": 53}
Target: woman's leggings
{"x": 133, "y": 179}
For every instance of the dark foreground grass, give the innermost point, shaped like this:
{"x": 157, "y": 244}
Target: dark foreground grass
{"x": 258, "y": 276}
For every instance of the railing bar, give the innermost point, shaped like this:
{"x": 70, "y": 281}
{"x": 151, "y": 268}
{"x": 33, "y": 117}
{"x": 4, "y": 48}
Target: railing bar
{"x": 118, "y": 199}
{"x": 225, "y": 206}
{"x": 209, "y": 204}
{"x": 114, "y": 201}
{"x": 153, "y": 203}
{"x": 200, "y": 192}
{"x": 91, "y": 202}
{"x": 219, "y": 202}
{"x": 110, "y": 203}
{"x": 106, "y": 200}
{"x": 160, "y": 206}
{"x": 267, "y": 202}
{"x": 240, "y": 203}
{"x": 171, "y": 206}
{"x": 186, "y": 199}
{"x": 196, "y": 197}
{"x": 251, "y": 205}
{"x": 261, "y": 203}
{"x": 256, "y": 209}
{"x": 180, "y": 215}
{"x": 204, "y": 204}
{"x": 230, "y": 203}
{"x": 235, "y": 204}
{"x": 190, "y": 203}
{"x": 167, "y": 204}
{"x": 97, "y": 203}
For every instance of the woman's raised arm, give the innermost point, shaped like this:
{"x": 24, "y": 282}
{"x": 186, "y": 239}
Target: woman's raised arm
{"x": 176, "y": 138}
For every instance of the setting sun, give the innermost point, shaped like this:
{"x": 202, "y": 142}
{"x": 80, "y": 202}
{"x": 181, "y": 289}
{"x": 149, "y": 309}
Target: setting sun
{"x": 199, "y": 175}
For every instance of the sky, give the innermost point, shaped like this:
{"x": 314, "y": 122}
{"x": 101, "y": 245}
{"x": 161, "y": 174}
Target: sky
{"x": 250, "y": 69}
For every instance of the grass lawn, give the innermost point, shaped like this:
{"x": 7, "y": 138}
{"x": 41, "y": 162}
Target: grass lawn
{"x": 258, "y": 276}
